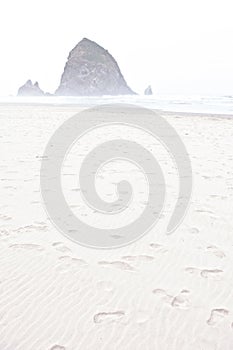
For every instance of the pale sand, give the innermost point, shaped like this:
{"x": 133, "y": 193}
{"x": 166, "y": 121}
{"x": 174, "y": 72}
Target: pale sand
{"x": 160, "y": 293}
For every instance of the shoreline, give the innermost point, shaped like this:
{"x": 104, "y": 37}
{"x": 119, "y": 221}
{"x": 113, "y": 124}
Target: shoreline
{"x": 195, "y": 105}
{"x": 82, "y": 107}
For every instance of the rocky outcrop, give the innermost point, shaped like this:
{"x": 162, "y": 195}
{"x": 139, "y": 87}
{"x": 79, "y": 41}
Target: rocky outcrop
{"x": 91, "y": 71}
{"x": 30, "y": 89}
{"x": 148, "y": 91}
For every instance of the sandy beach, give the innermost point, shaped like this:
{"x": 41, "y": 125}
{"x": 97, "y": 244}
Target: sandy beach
{"x": 163, "y": 292}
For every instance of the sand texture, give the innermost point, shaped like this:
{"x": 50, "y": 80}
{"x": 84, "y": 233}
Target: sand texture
{"x": 163, "y": 292}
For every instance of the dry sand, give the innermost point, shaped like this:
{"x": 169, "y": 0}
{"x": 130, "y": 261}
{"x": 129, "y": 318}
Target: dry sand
{"x": 161, "y": 293}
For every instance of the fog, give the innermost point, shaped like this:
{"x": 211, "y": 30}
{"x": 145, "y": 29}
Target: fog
{"x": 177, "y": 46}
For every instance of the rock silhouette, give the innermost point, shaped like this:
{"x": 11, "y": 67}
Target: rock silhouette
{"x": 148, "y": 90}
{"x": 91, "y": 71}
{"x": 30, "y": 89}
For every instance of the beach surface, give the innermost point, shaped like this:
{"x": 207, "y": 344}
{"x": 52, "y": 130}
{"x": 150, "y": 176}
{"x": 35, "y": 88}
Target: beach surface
{"x": 165, "y": 292}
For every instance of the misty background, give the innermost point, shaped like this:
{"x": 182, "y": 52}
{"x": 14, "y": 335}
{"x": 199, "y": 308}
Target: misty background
{"x": 177, "y": 46}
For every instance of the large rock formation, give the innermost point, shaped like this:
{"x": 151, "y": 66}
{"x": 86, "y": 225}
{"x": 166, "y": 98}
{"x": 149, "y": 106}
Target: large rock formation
{"x": 30, "y": 89}
{"x": 91, "y": 71}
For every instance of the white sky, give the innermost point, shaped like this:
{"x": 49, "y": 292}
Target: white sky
{"x": 177, "y": 46}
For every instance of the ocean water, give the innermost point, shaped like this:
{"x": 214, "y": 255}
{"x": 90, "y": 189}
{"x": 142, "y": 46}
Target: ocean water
{"x": 172, "y": 103}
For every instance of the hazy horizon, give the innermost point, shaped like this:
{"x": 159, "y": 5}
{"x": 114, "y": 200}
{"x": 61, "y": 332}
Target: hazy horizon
{"x": 178, "y": 47}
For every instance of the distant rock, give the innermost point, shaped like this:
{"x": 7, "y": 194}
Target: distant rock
{"x": 148, "y": 91}
{"x": 30, "y": 89}
{"x": 91, "y": 71}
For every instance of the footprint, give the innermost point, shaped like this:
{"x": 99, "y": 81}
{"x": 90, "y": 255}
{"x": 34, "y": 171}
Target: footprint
{"x": 155, "y": 246}
{"x": 41, "y": 157}
{"x": 161, "y": 293}
{"x": 75, "y": 190}
{"x": 108, "y": 317}
{"x": 217, "y": 252}
{"x": 212, "y": 274}
{"x": 68, "y": 263}
{"x": 36, "y": 227}
{"x": 181, "y": 301}
{"x": 10, "y": 187}
{"x": 204, "y": 211}
{"x": 4, "y": 233}
{"x": 27, "y": 247}
{"x": 41, "y": 223}
{"x": 117, "y": 264}
{"x": 5, "y": 217}
{"x": 29, "y": 228}
{"x": 138, "y": 258}
{"x": 185, "y": 291}
{"x": 57, "y": 347}
{"x": 59, "y": 246}
{"x": 194, "y": 230}
{"x": 158, "y": 248}
{"x": 192, "y": 270}
{"x": 216, "y": 316}
{"x": 78, "y": 262}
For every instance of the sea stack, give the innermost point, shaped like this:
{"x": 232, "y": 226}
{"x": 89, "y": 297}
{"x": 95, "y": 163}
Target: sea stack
{"x": 148, "y": 91}
{"x": 91, "y": 71}
{"x": 30, "y": 89}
